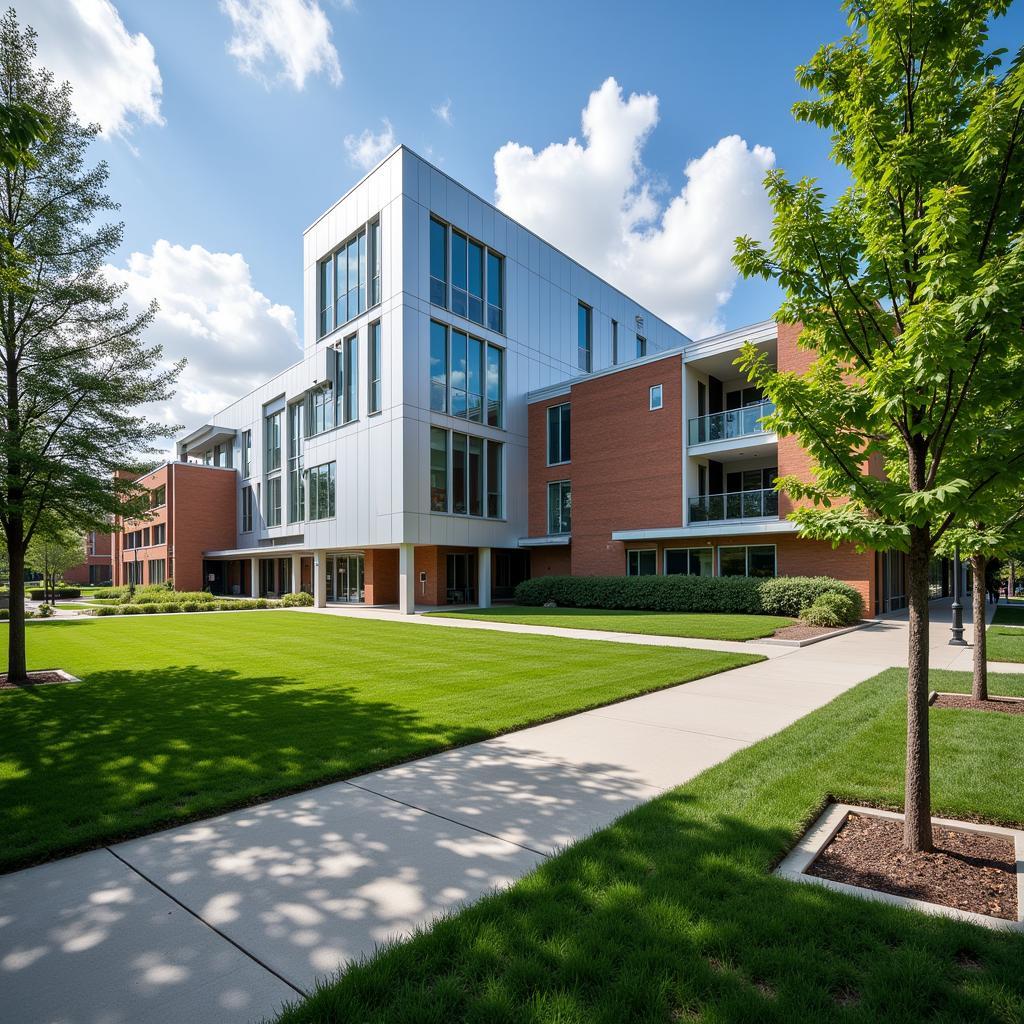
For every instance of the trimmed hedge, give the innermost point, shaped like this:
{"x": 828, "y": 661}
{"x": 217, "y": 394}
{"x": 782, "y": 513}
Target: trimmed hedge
{"x": 299, "y": 600}
{"x": 832, "y": 609}
{"x": 164, "y": 596}
{"x": 737, "y": 595}
{"x": 39, "y": 594}
{"x": 170, "y": 607}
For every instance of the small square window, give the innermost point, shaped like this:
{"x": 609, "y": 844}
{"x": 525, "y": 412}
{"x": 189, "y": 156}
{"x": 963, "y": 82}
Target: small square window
{"x": 656, "y": 397}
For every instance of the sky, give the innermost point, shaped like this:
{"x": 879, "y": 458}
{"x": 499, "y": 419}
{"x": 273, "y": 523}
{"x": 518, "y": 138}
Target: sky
{"x": 634, "y": 137}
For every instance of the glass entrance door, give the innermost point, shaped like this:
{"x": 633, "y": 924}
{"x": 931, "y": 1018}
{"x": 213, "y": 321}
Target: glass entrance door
{"x": 345, "y": 578}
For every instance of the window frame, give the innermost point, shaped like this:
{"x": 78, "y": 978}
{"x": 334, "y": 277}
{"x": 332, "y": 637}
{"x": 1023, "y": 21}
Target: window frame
{"x": 562, "y": 408}
{"x": 248, "y": 517}
{"x": 746, "y": 558}
{"x": 564, "y": 528}
{"x": 450, "y": 287}
{"x": 588, "y": 324}
{"x": 374, "y": 372}
{"x": 659, "y": 390}
{"x": 469, "y": 447}
{"x": 314, "y": 484}
{"x": 704, "y": 550}
{"x": 367, "y": 280}
{"x": 638, "y": 552}
{"x": 273, "y": 512}
{"x": 486, "y": 406}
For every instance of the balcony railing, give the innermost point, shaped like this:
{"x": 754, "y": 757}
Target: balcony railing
{"x": 723, "y": 426}
{"x": 716, "y": 508}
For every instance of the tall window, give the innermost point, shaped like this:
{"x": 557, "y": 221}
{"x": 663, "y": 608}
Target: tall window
{"x": 656, "y": 397}
{"x": 374, "y": 397}
{"x": 347, "y": 390}
{"x": 466, "y": 478}
{"x": 296, "y": 490}
{"x": 247, "y": 509}
{"x": 321, "y": 491}
{"x": 319, "y": 411}
{"x": 460, "y": 463}
{"x": 615, "y": 343}
{"x": 641, "y": 347}
{"x": 495, "y": 292}
{"x": 157, "y": 570}
{"x": 560, "y": 507}
{"x": 272, "y": 442}
{"x": 349, "y": 279}
{"x": 494, "y": 479}
{"x": 160, "y": 533}
{"x": 466, "y": 376}
{"x": 559, "y": 417}
{"x": 438, "y": 470}
{"x": 584, "y": 337}
{"x": 272, "y": 513}
{"x": 438, "y": 263}
{"x": 642, "y": 562}
{"x": 246, "y": 453}
{"x": 158, "y": 496}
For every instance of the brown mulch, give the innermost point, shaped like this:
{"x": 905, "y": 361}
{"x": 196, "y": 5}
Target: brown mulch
{"x": 802, "y": 632}
{"x": 34, "y": 679}
{"x": 965, "y": 870}
{"x": 998, "y": 704}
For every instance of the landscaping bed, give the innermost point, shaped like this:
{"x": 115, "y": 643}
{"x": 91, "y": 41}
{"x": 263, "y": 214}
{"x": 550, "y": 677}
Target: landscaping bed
{"x": 1001, "y": 705}
{"x": 39, "y": 678}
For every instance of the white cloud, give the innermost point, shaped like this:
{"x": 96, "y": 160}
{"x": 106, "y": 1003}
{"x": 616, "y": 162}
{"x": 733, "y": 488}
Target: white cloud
{"x": 232, "y": 335}
{"x": 293, "y": 33}
{"x": 367, "y": 150}
{"x": 114, "y": 74}
{"x": 444, "y": 111}
{"x": 595, "y": 200}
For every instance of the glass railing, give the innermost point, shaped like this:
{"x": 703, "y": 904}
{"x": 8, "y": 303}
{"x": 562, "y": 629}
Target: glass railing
{"x": 715, "y": 508}
{"x": 721, "y": 426}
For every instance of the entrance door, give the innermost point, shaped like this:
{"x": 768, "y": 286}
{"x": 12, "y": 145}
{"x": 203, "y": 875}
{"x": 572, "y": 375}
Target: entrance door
{"x": 346, "y": 578}
{"x": 461, "y": 578}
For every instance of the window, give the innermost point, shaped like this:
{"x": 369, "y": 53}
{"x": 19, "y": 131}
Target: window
{"x": 584, "y": 338}
{"x": 495, "y": 292}
{"x": 160, "y": 533}
{"x": 296, "y": 483}
{"x": 272, "y": 441}
{"x": 321, "y": 491}
{"x": 615, "y": 343}
{"x": 474, "y": 484}
{"x": 438, "y": 367}
{"x": 438, "y": 470}
{"x": 558, "y": 434}
{"x": 273, "y": 497}
{"x": 222, "y": 455}
{"x": 157, "y": 570}
{"x": 208, "y": 457}
{"x": 347, "y": 390}
{"x": 349, "y": 279}
{"x": 559, "y": 507}
{"x": 755, "y": 560}
{"x": 494, "y": 479}
{"x": 133, "y": 572}
{"x": 459, "y": 404}
{"x": 246, "y": 453}
{"x": 466, "y": 376}
{"x": 158, "y": 496}
{"x": 689, "y": 562}
{"x": 247, "y": 503}
{"x": 438, "y": 263}
{"x": 656, "y": 397}
{"x": 90, "y": 544}
{"x": 641, "y": 347}
{"x": 468, "y": 278}
{"x": 642, "y": 562}
{"x": 475, "y": 381}
{"x": 319, "y": 411}
{"x": 494, "y": 386}
{"x": 459, "y": 464}
{"x": 374, "y": 396}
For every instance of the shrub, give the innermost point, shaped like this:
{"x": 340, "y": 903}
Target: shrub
{"x": 163, "y": 595}
{"x": 4, "y": 614}
{"x": 190, "y": 606}
{"x": 262, "y": 602}
{"x": 169, "y": 607}
{"x": 790, "y": 595}
{"x": 46, "y": 612}
{"x": 832, "y": 609}
{"x": 299, "y": 600}
{"x": 132, "y": 609}
{"x": 40, "y": 594}
{"x": 151, "y": 609}
{"x": 105, "y": 610}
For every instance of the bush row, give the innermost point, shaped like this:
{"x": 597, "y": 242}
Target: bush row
{"x": 40, "y": 594}
{"x": 152, "y": 608}
{"x": 742, "y": 595}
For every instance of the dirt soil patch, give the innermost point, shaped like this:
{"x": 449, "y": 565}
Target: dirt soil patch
{"x": 36, "y": 679}
{"x": 967, "y": 702}
{"x": 802, "y": 632}
{"x": 966, "y": 870}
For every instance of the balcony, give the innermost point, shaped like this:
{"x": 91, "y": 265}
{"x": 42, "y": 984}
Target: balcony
{"x": 734, "y": 505}
{"x": 729, "y": 425}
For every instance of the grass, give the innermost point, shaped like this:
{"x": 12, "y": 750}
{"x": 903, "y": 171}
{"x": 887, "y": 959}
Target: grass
{"x": 1005, "y": 643}
{"x": 671, "y": 914}
{"x": 184, "y": 716}
{"x": 705, "y": 627}
{"x": 1007, "y": 616}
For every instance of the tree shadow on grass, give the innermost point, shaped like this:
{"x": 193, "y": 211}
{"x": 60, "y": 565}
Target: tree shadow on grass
{"x": 127, "y": 752}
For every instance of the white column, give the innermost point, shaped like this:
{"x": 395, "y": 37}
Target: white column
{"x": 483, "y": 577}
{"x": 320, "y": 579}
{"x": 406, "y": 579}
{"x": 296, "y": 573}
{"x": 254, "y": 577}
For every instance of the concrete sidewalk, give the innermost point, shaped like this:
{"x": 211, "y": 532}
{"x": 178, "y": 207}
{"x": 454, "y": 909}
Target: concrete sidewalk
{"x": 225, "y": 919}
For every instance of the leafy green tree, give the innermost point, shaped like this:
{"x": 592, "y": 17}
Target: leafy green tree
{"x": 910, "y": 289}
{"x": 52, "y": 553}
{"x": 73, "y": 366}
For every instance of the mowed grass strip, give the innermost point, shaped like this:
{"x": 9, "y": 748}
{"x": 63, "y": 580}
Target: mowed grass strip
{"x": 1004, "y": 643}
{"x": 187, "y": 715}
{"x": 671, "y": 914}
{"x": 697, "y": 626}
{"x": 1008, "y": 615}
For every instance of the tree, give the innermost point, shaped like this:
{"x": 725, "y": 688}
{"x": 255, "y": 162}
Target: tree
{"x": 52, "y": 553}
{"x": 910, "y": 287}
{"x": 73, "y": 363}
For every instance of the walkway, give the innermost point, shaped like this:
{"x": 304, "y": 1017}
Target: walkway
{"x": 225, "y": 919}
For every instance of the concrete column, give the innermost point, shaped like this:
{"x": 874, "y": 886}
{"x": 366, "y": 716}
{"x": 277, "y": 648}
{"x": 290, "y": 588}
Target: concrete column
{"x": 296, "y": 573}
{"x": 320, "y": 579}
{"x": 254, "y": 577}
{"x": 483, "y": 577}
{"x": 406, "y": 579}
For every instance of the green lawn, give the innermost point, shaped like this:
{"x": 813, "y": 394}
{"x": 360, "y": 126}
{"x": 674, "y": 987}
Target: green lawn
{"x": 705, "y": 627}
{"x": 1005, "y": 643}
{"x": 671, "y": 915}
{"x": 187, "y": 715}
{"x": 1008, "y": 616}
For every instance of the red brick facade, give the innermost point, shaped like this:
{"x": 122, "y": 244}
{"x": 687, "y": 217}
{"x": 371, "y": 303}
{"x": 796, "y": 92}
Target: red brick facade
{"x": 97, "y": 567}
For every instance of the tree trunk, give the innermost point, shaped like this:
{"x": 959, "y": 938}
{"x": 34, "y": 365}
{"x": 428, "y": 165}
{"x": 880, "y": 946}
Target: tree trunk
{"x": 979, "y": 684}
{"x": 917, "y": 830}
{"x": 16, "y": 671}
{"x": 1011, "y": 583}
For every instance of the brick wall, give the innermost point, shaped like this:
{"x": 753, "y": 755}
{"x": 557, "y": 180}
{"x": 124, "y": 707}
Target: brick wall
{"x": 381, "y": 578}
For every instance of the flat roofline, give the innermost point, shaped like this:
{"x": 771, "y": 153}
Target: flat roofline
{"x": 708, "y": 531}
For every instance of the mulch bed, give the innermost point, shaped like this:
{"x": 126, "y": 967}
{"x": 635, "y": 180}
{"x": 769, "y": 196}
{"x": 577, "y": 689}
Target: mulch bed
{"x": 34, "y": 679}
{"x": 802, "y": 632}
{"x": 966, "y": 870}
{"x": 998, "y": 704}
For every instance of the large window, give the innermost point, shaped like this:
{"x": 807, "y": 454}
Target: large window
{"x": 584, "y": 337}
{"x": 347, "y": 390}
{"x": 689, "y": 562}
{"x": 246, "y": 453}
{"x": 642, "y": 562}
{"x": 374, "y": 394}
{"x": 558, "y": 434}
{"x": 157, "y": 570}
{"x": 272, "y": 513}
{"x": 559, "y": 507}
{"x": 321, "y": 491}
{"x": 477, "y": 280}
{"x": 319, "y": 411}
{"x": 247, "y": 509}
{"x": 465, "y": 474}
{"x": 160, "y": 533}
{"x": 466, "y": 376}
{"x": 752, "y": 560}
{"x": 296, "y": 491}
{"x": 158, "y": 496}
{"x": 349, "y": 279}
{"x": 272, "y": 442}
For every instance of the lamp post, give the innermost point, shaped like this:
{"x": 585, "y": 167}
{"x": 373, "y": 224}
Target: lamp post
{"x": 135, "y": 572}
{"x": 957, "y": 629}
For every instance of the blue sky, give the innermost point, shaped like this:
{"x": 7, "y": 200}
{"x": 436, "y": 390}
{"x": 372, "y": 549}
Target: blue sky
{"x": 222, "y": 157}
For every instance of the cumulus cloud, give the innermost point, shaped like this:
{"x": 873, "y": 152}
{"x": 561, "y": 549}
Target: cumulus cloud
{"x": 114, "y": 74}
{"x": 368, "y": 149}
{"x": 232, "y": 335}
{"x": 292, "y": 37}
{"x": 443, "y": 111}
{"x": 596, "y": 200}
